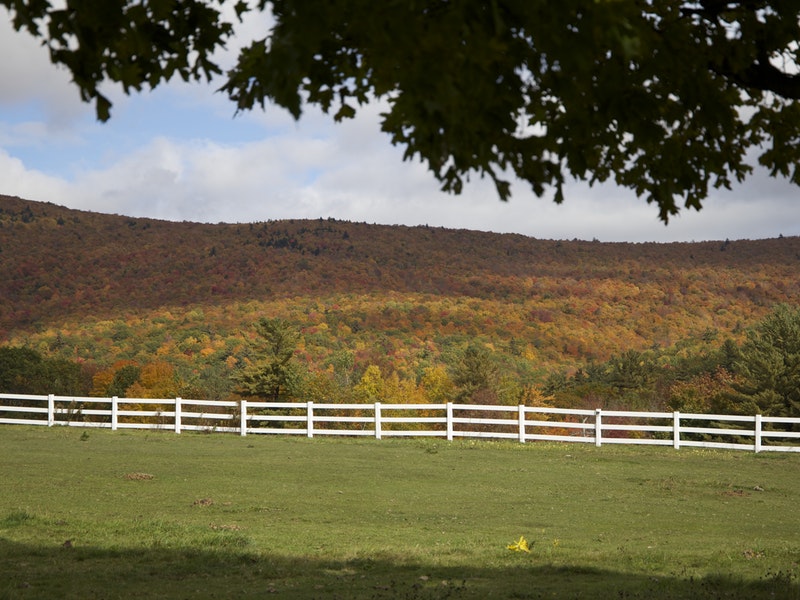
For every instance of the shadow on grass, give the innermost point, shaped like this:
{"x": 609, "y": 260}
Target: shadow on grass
{"x": 67, "y": 571}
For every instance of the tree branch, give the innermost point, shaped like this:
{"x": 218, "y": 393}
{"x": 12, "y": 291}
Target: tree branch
{"x": 763, "y": 75}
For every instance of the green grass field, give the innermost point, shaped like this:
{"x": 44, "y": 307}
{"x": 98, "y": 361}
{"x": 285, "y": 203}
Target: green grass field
{"x": 100, "y": 514}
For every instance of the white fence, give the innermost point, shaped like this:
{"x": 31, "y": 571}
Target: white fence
{"x": 523, "y": 423}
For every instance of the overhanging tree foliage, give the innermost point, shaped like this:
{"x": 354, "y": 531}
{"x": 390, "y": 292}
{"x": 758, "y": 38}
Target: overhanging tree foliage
{"x": 665, "y": 98}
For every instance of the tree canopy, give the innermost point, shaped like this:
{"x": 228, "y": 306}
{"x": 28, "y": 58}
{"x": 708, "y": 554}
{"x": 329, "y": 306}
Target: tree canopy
{"x": 665, "y": 98}
{"x": 26, "y": 371}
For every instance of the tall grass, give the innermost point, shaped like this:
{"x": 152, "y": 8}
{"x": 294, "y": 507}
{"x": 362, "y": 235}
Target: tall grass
{"x": 132, "y": 514}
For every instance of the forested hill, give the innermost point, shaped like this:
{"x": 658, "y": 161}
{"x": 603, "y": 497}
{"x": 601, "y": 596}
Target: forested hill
{"x": 555, "y": 300}
{"x": 57, "y": 262}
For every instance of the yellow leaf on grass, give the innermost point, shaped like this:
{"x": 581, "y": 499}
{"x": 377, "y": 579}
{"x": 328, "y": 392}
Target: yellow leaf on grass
{"x": 521, "y": 545}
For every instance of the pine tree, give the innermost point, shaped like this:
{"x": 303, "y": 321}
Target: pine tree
{"x": 475, "y": 374}
{"x": 272, "y": 371}
{"x": 770, "y": 363}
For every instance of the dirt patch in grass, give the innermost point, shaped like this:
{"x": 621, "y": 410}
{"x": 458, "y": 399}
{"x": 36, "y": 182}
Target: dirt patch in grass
{"x": 139, "y": 476}
{"x": 735, "y": 493}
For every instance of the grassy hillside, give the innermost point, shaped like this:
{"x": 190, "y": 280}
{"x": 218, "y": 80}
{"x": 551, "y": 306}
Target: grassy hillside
{"x": 104, "y": 288}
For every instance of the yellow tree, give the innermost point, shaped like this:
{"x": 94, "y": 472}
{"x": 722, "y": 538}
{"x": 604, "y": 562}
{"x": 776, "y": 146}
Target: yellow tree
{"x": 156, "y": 380}
{"x": 436, "y": 385}
{"x": 371, "y": 386}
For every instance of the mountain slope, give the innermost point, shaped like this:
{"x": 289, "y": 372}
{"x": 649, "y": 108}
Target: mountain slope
{"x": 565, "y": 301}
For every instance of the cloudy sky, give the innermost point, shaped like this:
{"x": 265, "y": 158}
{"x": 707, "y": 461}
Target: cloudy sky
{"x": 179, "y": 153}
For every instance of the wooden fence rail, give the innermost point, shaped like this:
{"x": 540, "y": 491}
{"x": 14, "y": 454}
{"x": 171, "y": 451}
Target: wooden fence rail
{"x": 449, "y": 421}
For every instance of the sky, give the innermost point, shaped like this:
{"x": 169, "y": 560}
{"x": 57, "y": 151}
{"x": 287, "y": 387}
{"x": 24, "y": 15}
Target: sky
{"x": 180, "y": 153}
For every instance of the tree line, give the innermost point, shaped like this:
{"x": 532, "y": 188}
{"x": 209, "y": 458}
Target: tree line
{"x": 758, "y": 375}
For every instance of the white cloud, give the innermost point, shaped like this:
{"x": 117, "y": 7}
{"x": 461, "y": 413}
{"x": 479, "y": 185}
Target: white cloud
{"x": 352, "y": 172}
{"x": 27, "y": 183}
{"x": 32, "y": 79}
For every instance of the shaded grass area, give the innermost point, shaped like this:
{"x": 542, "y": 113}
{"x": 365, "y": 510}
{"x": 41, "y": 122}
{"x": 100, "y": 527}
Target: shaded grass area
{"x": 158, "y": 515}
{"x": 159, "y": 573}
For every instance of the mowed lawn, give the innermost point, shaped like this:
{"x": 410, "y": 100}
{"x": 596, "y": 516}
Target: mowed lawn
{"x": 101, "y": 514}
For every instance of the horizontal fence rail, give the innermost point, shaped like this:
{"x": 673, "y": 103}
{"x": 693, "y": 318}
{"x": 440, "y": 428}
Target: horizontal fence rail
{"x": 449, "y": 421}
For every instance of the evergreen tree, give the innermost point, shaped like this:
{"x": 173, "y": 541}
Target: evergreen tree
{"x": 631, "y": 370}
{"x": 26, "y": 371}
{"x": 770, "y": 363}
{"x": 19, "y": 370}
{"x": 124, "y": 378}
{"x": 272, "y": 371}
{"x": 475, "y": 374}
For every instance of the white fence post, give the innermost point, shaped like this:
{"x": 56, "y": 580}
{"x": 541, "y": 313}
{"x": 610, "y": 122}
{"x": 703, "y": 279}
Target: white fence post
{"x": 310, "y": 419}
{"x": 178, "y": 414}
{"x": 243, "y": 419}
{"x": 676, "y": 430}
{"x": 522, "y": 423}
{"x": 449, "y": 421}
{"x": 114, "y": 412}
{"x": 757, "y": 433}
{"x": 51, "y": 410}
{"x": 378, "y": 432}
{"x": 598, "y": 427}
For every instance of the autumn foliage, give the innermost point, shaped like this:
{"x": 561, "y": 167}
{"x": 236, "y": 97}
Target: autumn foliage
{"x": 405, "y": 314}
